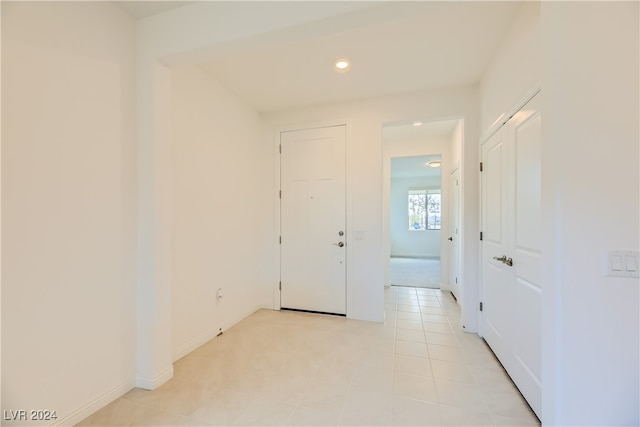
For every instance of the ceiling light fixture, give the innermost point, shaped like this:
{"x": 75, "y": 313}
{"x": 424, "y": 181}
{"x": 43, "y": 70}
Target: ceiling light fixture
{"x": 342, "y": 65}
{"x": 434, "y": 164}
{"x": 417, "y": 123}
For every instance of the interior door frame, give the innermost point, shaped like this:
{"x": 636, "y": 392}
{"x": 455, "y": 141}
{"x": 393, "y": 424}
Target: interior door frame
{"x": 277, "y": 265}
{"x": 454, "y": 192}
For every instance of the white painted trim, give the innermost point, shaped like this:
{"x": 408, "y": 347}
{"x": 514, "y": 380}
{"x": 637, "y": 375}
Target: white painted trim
{"x": 155, "y": 382}
{"x": 209, "y": 335}
{"x": 195, "y": 343}
{"x": 348, "y": 216}
{"x": 277, "y": 186}
{"x": 348, "y": 187}
{"x": 95, "y": 405}
{"x": 504, "y": 118}
{"x": 417, "y": 255}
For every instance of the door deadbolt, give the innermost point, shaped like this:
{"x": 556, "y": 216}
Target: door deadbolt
{"x": 340, "y": 233}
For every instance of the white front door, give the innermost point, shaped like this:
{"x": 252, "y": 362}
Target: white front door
{"x": 512, "y": 313}
{"x": 312, "y": 207}
{"x": 454, "y": 228}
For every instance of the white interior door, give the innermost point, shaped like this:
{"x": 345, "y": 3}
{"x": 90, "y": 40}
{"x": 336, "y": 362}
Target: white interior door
{"x": 454, "y": 233}
{"x": 312, "y": 207}
{"x": 497, "y": 295}
{"x": 525, "y": 129}
{"x": 512, "y": 314}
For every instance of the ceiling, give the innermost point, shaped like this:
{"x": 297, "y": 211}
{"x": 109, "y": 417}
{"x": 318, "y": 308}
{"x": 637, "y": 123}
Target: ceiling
{"x": 395, "y": 47}
{"x": 412, "y": 167}
{"x": 142, "y": 9}
{"x": 406, "y": 131}
{"x": 429, "y": 45}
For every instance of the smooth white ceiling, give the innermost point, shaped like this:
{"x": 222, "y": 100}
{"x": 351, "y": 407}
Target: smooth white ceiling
{"x": 397, "y": 132}
{"x": 142, "y": 9}
{"x": 413, "y": 167}
{"x": 394, "y": 48}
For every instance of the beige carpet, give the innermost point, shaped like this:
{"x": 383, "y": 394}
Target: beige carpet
{"x": 415, "y": 272}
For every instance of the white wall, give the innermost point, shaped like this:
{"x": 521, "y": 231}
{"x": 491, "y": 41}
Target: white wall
{"x": 186, "y": 36}
{"x": 365, "y": 120}
{"x": 456, "y": 144}
{"x": 216, "y": 212}
{"x": 68, "y": 190}
{"x": 514, "y": 69}
{"x": 590, "y": 149}
{"x": 586, "y": 56}
{"x": 406, "y": 242}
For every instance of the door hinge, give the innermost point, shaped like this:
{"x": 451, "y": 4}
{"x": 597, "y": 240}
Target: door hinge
{"x": 456, "y": 280}
{"x": 280, "y": 148}
{"x": 481, "y": 307}
{"x": 481, "y": 167}
{"x": 280, "y": 286}
{"x": 280, "y": 239}
{"x": 481, "y": 236}
{"x": 280, "y": 194}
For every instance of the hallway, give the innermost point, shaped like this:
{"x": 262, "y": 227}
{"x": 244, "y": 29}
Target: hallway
{"x": 414, "y": 272}
{"x": 287, "y": 368}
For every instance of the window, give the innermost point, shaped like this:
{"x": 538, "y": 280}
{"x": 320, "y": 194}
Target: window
{"x": 424, "y": 208}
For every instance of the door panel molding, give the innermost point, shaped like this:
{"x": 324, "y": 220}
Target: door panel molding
{"x": 312, "y": 214}
{"x": 510, "y": 197}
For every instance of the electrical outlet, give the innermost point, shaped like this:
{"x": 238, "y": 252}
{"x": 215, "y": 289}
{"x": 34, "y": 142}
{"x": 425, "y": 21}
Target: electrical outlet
{"x": 219, "y": 294}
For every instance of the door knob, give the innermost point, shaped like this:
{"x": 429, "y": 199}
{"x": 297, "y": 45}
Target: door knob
{"x": 505, "y": 260}
{"x": 339, "y": 244}
{"x": 450, "y": 239}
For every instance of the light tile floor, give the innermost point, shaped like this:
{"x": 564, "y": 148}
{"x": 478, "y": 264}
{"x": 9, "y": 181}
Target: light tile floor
{"x": 284, "y": 368}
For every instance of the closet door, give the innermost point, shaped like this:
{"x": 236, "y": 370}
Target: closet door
{"x": 512, "y": 288}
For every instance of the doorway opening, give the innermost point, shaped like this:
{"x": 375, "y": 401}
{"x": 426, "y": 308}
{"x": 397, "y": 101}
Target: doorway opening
{"x": 418, "y": 159}
{"x": 415, "y": 222}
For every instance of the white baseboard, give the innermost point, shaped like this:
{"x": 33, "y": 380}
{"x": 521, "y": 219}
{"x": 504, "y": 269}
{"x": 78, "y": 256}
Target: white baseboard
{"x": 410, "y": 255}
{"x": 95, "y": 405}
{"x": 210, "y": 334}
{"x": 155, "y": 382}
{"x": 187, "y": 348}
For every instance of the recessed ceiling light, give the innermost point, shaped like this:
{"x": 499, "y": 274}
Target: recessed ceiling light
{"x": 342, "y": 64}
{"x": 434, "y": 164}
{"x": 417, "y": 123}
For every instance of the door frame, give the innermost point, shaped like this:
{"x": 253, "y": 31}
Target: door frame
{"x": 455, "y": 193}
{"x": 277, "y": 265}
{"x": 447, "y": 165}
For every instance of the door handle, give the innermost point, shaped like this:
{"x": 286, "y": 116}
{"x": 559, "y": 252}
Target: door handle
{"x": 450, "y": 239}
{"x": 504, "y": 260}
{"x": 339, "y": 244}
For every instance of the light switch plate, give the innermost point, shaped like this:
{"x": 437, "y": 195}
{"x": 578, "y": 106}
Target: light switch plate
{"x": 623, "y": 264}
